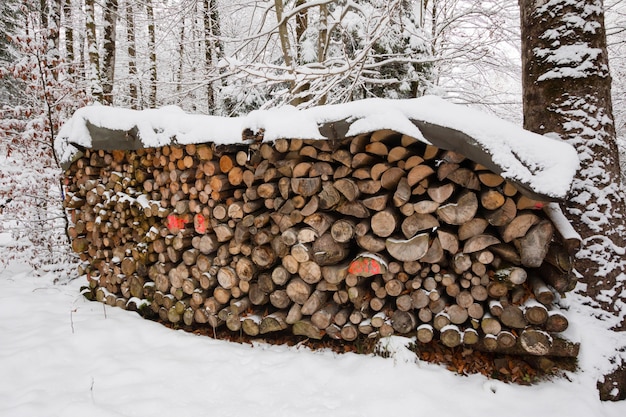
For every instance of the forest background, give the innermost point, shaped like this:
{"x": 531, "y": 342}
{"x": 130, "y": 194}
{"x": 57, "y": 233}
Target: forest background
{"x": 228, "y": 58}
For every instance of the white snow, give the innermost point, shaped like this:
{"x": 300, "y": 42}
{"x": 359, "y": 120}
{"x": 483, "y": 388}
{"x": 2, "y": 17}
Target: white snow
{"x": 546, "y": 165}
{"x": 61, "y": 355}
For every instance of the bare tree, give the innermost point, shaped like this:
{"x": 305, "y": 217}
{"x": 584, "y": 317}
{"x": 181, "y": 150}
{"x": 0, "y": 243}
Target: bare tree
{"x": 152, "y": 95}
{"x": 108, "y": 50}
{"x": 213, "y": 48}
{"x": 132, "y": 55}
{"x": 69, "y": 34}
{"x": 474, "y": 47}
{"x": 95, "y": 84}
{"x": 309, "y": 52}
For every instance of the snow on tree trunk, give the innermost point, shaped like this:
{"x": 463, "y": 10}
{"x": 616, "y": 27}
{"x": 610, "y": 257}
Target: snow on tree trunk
{"x": 132, "y": 56}
{"x": 108, "y": 55}
{"x": 152, "y": 96}
{"x": 213, "y": 49}
{"x": 95, "y": 83}
{"x": 567, "y": 93}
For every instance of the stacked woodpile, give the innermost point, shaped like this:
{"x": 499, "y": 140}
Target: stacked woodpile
{"x": 374, "y": 235}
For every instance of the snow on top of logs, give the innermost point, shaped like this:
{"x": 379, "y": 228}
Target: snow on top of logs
{"x": 539, "y": 165}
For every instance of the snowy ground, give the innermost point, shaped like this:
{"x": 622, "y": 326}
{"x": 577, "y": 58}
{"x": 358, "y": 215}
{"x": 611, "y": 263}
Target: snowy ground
{"x": 61, "y": 355}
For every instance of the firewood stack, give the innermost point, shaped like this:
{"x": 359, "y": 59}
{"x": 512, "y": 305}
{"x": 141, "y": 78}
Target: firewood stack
{"x": 374, "y": 235}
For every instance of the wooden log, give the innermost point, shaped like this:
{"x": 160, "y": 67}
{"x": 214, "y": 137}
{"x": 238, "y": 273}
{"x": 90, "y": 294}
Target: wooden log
{"x": 425, "y": 207}
{"x": 349, "y": 332}
{"x": 353, "y": 208}
{"x": 492, "y": 199}
{"x": 535, "y": 342}
{"x": 524, "y": 203}
{"x": 416, "y": 223}
{"x": 519, "y": 226}
{"x": 441, "y": 193}
{"x": 535, "y": 312}
{"x": 371, "y": 243}
{"x": 263, "y": 256}
{"x": 479, "y": 242}
{"x": 391, "y": 177}
{"x": 457, "y": 314}
{"x": 558, "y": 347}
{"x": 306, "y": 187}
{"x": 506, "y": 339}
{"x": 402, "y": 194}
{"x": 421, "y": 172}
{"x": 540, "y": 290}
{"x": 384, "y": 223}
{"x": 377, "y": 202}
{"x": 533, "y": 247}
{"x": 441, "y": 320}
{"x": 490, "y": 179}
{"x": 461, "y": 262}
{"x": 420, "y": 299}
{"x": 425, "y": 333}
{"x": 298, "y": 291}
{"x": 448, "y": 240}
{"x": 327, "y": 251}
{"x": 343, "y": 230}
{"x": 315, "y": 301}
{"x": 503, "y": 215}
{"x": 460, "y": 212}
{"x": 251, "y": 324}
{"x": 490, "y": 325}
{"x": 464, "y": 177}
{"x": 470, "y": 336}
{"x": 512, "y": 316}
{"x": 274, "y": 322}
{"x": 497, "y": 289}
{"x": 306, "y": 328}
{"x": 513, "y": 275}
{"x": 435, "y": 253}
{"x": 310, "y": 272}
{"x": 507, "y": 253}
{"x": 473, "y": 227}
{"x": 556, "y": 322}
{"x": 323, "y": 317}
{"x": 403, "y": 322}
{"x": 348, "y": 188}
{"x": 476, "y": 311}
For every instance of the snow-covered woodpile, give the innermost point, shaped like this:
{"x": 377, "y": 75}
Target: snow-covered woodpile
{"x": 364, "y": 235}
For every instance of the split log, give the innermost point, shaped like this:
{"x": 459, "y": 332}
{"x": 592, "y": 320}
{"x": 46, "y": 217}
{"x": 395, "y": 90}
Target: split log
{"x": 460, "y": 212}
{"x": 408, "y": 250}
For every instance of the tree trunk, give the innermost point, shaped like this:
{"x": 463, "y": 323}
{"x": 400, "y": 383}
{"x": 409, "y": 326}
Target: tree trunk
{"x": 152, "y": 97}
{"x": 108, "y": 56}
{"x": 213, "y": 48}
{"x": 567, "y": 93}
{"x": 69, "y": 34}
{"x": 132, "y": 65}
{"x": 95, "y": 83}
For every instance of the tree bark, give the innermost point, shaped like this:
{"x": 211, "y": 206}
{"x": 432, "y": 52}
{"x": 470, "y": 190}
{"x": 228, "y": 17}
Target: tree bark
{"x": 571, "y": 99}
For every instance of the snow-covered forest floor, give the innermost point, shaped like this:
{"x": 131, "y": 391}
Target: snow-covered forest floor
{"x": 61, "y": 355}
